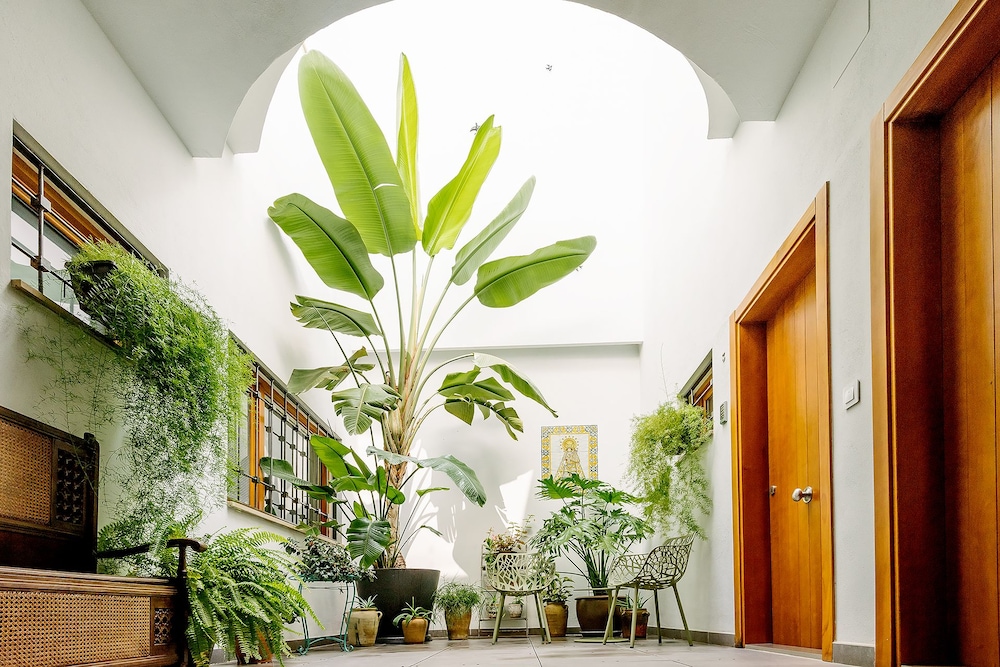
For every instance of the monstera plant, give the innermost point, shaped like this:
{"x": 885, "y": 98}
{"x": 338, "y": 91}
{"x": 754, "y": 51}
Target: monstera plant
{"x": 387, "y": 377}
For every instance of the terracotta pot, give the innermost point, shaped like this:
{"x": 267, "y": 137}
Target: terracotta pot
{"x": 592, "y": 612}
{"x": 394, "y": 588}
{"x": 641, "y": 623}
{"x": 556, "y": 615}
{"x": 458, "y": 624}
{"x": 363, "y": 628}
{"x": 414, "y": 631}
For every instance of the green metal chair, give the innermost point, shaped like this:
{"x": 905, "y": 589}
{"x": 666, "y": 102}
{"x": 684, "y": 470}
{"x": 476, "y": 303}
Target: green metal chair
{"x": 662, "y": 567}
{"x": 520, "y": 575}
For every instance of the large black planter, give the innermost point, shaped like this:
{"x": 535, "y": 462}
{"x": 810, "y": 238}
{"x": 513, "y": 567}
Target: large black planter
{"x": 394, "y": 588}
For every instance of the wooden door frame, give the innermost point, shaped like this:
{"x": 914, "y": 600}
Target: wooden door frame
{"x": 804, "y": 249}
{"x": 908, "y": 424}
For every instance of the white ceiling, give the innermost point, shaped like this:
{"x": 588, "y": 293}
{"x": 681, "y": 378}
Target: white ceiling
{"x": 200, "y": 60}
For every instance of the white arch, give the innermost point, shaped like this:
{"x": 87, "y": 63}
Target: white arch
{"x": 211, "y": 67}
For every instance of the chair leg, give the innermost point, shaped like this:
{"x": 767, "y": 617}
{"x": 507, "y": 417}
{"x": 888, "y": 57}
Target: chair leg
{"x": 608, "y": 629}
{"x": 683, "y": 618}
{"x": 656, "y": 603}
{"x": 543, "y": 621}
{"x": 635, "y": 615}
{"x": 496, "y": 626}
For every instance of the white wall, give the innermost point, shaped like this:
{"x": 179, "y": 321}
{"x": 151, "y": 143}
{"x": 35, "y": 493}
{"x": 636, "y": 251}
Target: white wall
{"x": 614, "y": 136}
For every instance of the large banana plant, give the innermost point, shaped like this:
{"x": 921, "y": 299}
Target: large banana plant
{"x": 379, "y": 199}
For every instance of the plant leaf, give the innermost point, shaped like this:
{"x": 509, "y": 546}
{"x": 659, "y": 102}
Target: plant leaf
{"x": 507, "y": 415}
{"x": 331, "y": 453}
{"x": 450, "y": 208}
{"x": 462, "y": 409}
{"x": 424, "y": 492}
{"x": 327, "y": 377}
{"x": 367, "y": 540}
{"x": 487, "y": 389}
{"x": 360, "y": 405}
{"x": 281, "y": 469}
{"x": 513, "y": 377}
{"x": 463, "y": 476}
{"x": 475, "y": 252}
{"x": 406, "y": 143}
{"x": 319, "y": 314}
{"x": 331, "y": 245}
{"x": 508, "y": 281}
{"x": 356, "y": 156}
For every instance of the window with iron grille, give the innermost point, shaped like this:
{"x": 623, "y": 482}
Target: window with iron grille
{"x": 279, "y": 426}
{"x": 50, "y": 220}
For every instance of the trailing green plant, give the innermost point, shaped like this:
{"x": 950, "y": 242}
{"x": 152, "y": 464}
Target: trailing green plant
{"x": 410, "y": 612}
{"x": 177, "y": 383}
{"x": 457, "y": 599}
{"x": 319, "y": 559}
{"x": 666, "y": 466}
{"x": 592, "y": 528}
{"x": 241, "y": 590}
{"x": 382, "y": 215}
{"x": 155, "y": 530}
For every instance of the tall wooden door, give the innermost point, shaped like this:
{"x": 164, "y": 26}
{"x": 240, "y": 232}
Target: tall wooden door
{"x": 793, "y": 393}
{"x": 970, "y": 271}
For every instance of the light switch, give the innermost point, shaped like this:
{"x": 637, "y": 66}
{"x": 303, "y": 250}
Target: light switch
{"x": 852, "y": 394}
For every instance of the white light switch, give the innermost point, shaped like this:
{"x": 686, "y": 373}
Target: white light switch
{"x": 852, "y": 394}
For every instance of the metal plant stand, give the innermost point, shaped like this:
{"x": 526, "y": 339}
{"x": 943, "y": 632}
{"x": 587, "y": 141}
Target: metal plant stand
{"x": 341, "y": 638}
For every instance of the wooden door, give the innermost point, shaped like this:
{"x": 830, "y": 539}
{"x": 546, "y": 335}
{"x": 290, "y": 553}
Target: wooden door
{"x": 969, "y": 275}
{"x": 793, "y": 463}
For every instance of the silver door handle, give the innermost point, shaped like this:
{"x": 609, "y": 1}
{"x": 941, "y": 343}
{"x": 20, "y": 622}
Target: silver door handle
{"x": 805, "y": 495}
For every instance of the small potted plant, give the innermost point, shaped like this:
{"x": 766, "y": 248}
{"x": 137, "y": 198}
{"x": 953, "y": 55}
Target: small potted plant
{"x": 363, "y": 626}
{"x": 515, "y": 608}
{"x": 490, "y": 607}
{"x": 554, "y": 597}
{"x": 455, "y": 601}
{"x": 641, "y": 619}
{"x": 511, "y": 540}
{"x": 414, "y": 621}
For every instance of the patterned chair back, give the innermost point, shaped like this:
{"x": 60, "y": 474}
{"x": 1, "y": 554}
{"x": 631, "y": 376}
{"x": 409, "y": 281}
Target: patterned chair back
{"x": 519, "y": 573}
{"x": 667, "y": 563}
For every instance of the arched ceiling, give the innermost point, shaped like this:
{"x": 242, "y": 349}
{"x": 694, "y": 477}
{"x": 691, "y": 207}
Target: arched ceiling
{"x": 211, "y": 67}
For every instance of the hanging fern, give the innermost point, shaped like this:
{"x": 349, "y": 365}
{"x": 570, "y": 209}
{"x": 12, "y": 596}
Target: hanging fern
{"x": 666, "y": 466}
{"x": 241, "y": 590}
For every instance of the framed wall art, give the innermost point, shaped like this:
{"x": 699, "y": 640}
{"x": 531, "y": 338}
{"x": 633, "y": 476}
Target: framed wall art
{"x": 569, "y": 449}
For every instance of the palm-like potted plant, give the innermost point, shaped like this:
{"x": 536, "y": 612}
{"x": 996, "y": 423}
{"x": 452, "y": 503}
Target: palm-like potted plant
{"x": 592, "y": 528}
{"x": 390, "y": 381}
{"x": 455, "y": 601}
{"x": 414, "y": 621}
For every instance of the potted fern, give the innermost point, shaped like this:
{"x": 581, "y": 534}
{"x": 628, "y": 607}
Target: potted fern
{"x": 242, "y": 594}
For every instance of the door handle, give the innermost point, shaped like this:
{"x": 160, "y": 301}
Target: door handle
{"x": 805, "y": 495}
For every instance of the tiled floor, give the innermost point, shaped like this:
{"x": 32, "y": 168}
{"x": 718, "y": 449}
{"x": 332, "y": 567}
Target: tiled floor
{"x": 522, "y": 652}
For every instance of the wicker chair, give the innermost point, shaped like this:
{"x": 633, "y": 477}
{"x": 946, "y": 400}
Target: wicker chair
{"x": 662, "y": 567}
{"x": 519, "y": 575}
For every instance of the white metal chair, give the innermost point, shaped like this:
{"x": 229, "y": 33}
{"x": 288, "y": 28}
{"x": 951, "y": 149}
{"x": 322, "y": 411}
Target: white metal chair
{"x": 520, "y": 575}
{"x": 662, "y": 567}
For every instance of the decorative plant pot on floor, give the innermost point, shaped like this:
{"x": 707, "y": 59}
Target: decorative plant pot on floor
{"x": 641, "y": 623}
{"x": 415, "y": 631}
{"x": 394, "y": 588}
{"x": 556, "y": 615}
{"x": 458, "y": 625}
{"x": 592, "y": 612}
{"x": 363, "y": 628}
{"x": 515, "y": 609}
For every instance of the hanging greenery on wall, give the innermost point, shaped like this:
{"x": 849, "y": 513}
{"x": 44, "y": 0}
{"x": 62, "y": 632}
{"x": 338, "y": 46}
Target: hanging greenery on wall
{"x": 174, "y": 380}
{"x": 666, "y": 466}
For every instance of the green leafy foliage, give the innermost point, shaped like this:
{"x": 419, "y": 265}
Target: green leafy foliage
{"x": 153, "y": 529}
{"x": 410, "y": 612}
{"x": 319, "y": 559}
{"x": 240, "y": 590}
{"x": 379, "y": 198}
{"x": 592, "y": 527}
{"x": 666, "y": 466}
{"x": 457, "y": 599}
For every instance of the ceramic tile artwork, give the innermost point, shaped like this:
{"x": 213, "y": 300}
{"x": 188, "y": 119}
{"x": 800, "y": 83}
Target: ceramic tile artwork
{"x": 569, "y": 449}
